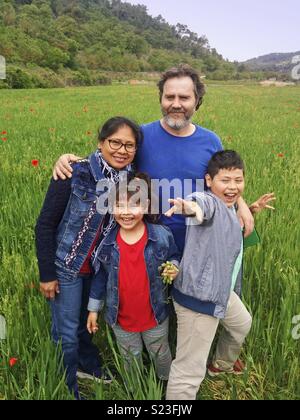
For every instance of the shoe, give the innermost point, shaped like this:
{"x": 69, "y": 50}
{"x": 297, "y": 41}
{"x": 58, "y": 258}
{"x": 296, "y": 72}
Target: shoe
{"x": 238, "y": 369}
{"x": 105, "y": 378}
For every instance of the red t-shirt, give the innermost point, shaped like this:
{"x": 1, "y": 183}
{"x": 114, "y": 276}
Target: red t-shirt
{"x": 135, "y": 310}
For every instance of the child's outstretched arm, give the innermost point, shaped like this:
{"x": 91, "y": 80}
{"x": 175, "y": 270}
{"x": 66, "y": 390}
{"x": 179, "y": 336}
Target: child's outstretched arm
{"x": 262, "y": 203}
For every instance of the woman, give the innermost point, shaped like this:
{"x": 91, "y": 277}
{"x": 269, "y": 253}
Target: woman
{"x": 68, "y": 230}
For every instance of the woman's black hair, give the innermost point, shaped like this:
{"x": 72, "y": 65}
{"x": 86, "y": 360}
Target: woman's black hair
{"x": 133, "y": 187}
{"x": 114, "y": 124}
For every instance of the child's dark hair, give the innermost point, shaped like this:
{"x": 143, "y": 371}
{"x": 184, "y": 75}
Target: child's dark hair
{"x": 225, "y": 159}
{"x": 115, "y": 123}
{"x": 133, "y": 187}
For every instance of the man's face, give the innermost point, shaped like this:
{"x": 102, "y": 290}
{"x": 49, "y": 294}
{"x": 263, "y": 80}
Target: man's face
{"x": 178, "y": 102}
{"x": 228, "y": 185}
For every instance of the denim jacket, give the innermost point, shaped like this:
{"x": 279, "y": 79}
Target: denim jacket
{"x": 72, "y": 253}
{"x": 159, "y": 249}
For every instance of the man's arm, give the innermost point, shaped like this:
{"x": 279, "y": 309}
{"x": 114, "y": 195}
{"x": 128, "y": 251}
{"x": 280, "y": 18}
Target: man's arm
{"x": 262, "y": 203}
{"x": 245, "y": 216}
{"x": 62, "y": 169}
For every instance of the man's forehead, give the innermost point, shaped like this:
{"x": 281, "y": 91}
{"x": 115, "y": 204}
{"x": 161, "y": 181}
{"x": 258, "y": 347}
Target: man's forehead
{"x": 184, "y": 85}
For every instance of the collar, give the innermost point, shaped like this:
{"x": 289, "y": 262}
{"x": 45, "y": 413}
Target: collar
{"x": 112, "y": 236}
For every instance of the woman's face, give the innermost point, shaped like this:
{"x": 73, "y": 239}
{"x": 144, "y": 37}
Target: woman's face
{"x": 119, "y": 149}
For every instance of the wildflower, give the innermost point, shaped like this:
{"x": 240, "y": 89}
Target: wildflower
{"x": 3, "y": 138}
{"x": 35, "y": 162}
{"x": 13, "y": 361}
{"x": 281, "y": 155}
{"x": 3, "y": 133}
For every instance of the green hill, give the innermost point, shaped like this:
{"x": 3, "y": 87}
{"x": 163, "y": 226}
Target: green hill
{"x": 278, "y": 62}
{"x": 50, "y": 43}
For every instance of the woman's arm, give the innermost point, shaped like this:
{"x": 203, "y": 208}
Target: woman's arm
{"x": 53, "y": 209}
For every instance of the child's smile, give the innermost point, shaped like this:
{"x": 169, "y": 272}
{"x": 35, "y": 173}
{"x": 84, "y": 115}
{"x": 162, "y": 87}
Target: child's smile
{"x": 228, "y": 185}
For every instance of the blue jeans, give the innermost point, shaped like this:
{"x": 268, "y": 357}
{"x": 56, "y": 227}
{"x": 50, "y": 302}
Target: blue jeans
{"x": 69, "y": 320}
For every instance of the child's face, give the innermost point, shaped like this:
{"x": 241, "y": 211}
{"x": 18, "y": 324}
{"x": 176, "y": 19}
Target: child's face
{"x": 128, "y": 215}
{"x": 120, "y": 158}
{"x": 228, "y": 185}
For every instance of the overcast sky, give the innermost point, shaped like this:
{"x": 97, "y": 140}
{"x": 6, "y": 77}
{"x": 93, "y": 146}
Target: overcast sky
{"x": 239, "y": 30}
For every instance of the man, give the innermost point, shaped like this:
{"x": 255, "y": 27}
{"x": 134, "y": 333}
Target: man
{"x": 174, "y": 148}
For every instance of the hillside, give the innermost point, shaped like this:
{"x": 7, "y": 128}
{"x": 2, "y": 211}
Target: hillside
{"x": 50, "y": 43}
{"x": 277, "y": 62}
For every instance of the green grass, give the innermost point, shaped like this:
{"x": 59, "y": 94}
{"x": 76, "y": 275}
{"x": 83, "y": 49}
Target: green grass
{"x": 260, "y": 123}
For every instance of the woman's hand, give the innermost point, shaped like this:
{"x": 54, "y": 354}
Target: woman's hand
{"x": 62, "y": 168}
{"x": 262, "y": 203}
{"x": 49, "y": 289}
{"x": 92, "y": 325}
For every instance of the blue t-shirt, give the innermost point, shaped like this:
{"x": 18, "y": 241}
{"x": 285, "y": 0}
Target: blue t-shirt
{"x": 182, "y": 160}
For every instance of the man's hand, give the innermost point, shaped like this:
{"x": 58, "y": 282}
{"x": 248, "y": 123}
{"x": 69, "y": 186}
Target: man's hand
{"x": 262, "y": 203}
{"x": 62, "y": 168}
{"x": 92, "y": 325}
{"x": 49, "y": 289}
{"x": 245, "y": 217}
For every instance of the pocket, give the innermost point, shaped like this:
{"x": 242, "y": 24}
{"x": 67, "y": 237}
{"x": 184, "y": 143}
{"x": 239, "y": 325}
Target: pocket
{"x": 160, "y": 256}
{"x": 205, "y": 281}
{"x": 104, "y": 258}
{"x": 82, "y": 200}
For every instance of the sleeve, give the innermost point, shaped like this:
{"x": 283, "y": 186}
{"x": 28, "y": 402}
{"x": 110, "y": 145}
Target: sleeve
{"x": 174, "y": 255}
{"x": 98, "y": 290}
{"x": 207, "y": 205}
{"x": 53, "y": 209}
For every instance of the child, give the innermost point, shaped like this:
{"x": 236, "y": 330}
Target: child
{"x": 128, "y": 279}
{"x": 67, "y": 232}
{"x": 208, "y": 285}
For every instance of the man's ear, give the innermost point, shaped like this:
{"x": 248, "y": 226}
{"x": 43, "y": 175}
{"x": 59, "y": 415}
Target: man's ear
{"x": 208, "y": 180}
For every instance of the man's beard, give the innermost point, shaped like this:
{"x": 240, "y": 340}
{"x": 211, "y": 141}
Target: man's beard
{"x": 176, "y": 124}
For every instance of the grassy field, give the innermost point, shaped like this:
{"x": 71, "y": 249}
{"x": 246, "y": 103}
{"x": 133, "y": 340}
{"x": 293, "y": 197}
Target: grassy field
{"x": 261, "y": 123}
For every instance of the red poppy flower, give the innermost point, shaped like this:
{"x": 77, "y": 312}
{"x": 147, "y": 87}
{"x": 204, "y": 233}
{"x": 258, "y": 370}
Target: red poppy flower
{"x": 4, "y": 132}
{"x": 35, "y": 162}
{"x": 13, "y": 361}
{"x": 3, "y": 138}
{"x": 281, "y": 155}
